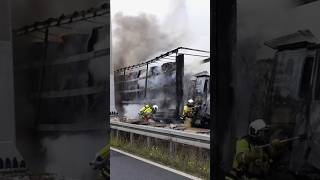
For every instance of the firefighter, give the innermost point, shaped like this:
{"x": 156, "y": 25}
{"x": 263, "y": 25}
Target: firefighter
{"x": 146, "y": 113}
{"x": 101, "y": 162}
{"x": 189, "y": 111}
{"x": 251, "y": 162}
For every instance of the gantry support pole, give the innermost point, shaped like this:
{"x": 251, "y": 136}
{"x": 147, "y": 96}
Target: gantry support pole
{"x": 179, "y": 83}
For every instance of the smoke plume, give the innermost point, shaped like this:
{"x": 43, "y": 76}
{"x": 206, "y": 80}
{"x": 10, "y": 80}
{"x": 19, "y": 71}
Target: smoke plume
{"x": 137, "y": 38}
{"x": 131, "y": 111}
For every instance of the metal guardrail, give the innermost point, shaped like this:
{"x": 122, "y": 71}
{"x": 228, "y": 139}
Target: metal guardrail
{"x": 192, "y": 139}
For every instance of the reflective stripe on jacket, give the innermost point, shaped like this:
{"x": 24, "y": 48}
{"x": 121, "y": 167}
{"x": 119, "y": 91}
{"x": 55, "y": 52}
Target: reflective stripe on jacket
{"x": 105, "y": 152}
{"x": 250, "y": 161}
{"x": 188, "y": 111}
{"x": 146, "y": 110}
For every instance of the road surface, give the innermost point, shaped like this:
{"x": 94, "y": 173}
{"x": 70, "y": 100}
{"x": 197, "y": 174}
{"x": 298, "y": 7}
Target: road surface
{"x": 124, "y": 167}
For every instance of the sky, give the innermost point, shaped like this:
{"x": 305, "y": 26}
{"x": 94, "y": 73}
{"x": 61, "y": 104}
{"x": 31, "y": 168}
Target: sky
{"x": 188, "y": 17}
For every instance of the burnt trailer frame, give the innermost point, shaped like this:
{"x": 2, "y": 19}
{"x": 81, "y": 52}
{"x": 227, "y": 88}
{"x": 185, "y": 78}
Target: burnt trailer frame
{"x": 122, "y": 82}
{"x": 294, "y": 106}
{"x": 292, "y": 97}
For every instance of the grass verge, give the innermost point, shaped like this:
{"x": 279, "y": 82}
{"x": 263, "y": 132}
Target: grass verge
{"x": 189, "y": 162}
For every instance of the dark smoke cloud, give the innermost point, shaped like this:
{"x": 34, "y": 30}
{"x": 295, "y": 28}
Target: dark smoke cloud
{"x": 137, "y": 38}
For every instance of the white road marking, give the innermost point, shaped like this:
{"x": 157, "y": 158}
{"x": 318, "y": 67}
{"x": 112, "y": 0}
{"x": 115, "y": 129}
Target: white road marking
{"x": 157, "y": 164}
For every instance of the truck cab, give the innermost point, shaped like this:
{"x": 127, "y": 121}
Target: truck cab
{"x": 294, "y": 103}
{"x": 201, "y": 95}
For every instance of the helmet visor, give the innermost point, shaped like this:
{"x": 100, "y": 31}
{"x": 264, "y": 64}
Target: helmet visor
{"x": 263, "y": 132}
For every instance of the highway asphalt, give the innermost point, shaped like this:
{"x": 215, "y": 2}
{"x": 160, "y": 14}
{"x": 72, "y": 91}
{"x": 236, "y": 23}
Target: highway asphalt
{"x": 124, "y": 167}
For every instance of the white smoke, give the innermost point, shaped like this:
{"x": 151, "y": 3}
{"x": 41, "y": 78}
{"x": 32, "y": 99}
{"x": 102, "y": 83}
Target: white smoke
{"x": 131, "y": 111}
{"x": 196, "y": 66}
{"x": 161, "y": 80}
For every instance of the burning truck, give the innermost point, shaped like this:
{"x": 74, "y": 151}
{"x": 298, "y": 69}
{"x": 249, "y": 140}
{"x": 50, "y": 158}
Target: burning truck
{"x": 287, "y": 95}
{"x": 165, "y": 84}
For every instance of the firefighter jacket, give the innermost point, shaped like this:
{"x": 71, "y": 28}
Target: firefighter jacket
{"x": 147, "y": 110}
{"x": 188, "y": 111}
{"x": 249, "y": 161}
{"x": 105, "y": 152}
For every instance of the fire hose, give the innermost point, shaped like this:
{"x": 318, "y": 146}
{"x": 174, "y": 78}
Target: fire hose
{"x": 302, "y": 137}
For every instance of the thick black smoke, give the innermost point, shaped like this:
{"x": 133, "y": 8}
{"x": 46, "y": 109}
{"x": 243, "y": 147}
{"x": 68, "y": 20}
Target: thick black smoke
{"x": 137, "y": 38}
